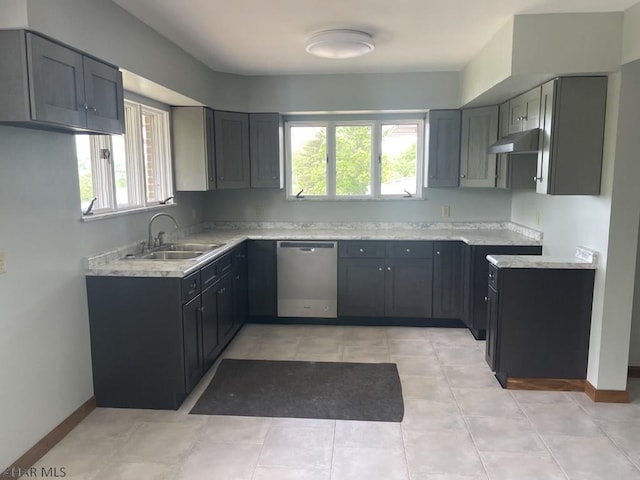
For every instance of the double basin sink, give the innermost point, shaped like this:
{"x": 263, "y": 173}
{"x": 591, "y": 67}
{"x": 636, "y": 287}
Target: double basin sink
{"x": 177, "y": 251}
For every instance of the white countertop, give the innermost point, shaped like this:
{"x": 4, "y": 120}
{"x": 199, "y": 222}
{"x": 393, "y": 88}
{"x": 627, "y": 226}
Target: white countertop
{"x": 113, "y": 263}
{"x": 538, "y": 261}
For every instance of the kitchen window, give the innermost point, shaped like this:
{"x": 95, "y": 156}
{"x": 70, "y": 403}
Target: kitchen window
{"x": 372, "y": 158}
{"x": 130, "y": 171}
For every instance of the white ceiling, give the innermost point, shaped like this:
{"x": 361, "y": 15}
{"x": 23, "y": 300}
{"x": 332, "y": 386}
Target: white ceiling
{"x": 267, "y": 37}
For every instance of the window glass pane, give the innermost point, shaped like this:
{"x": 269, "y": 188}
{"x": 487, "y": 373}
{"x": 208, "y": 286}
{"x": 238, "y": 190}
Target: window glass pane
{"x": 119, "y": 159}
{"x": 83, "y": 152}
{"x": 308, "y": 160}
{"x": 399, "y": 159}
{"x": 353, "y": 160}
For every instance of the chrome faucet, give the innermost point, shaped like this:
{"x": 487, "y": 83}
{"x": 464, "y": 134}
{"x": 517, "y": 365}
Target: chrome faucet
{"x": 150, "y": 241}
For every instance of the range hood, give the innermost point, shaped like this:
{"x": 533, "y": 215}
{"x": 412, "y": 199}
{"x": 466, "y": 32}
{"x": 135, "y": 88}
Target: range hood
{"x": 521, "y": 142}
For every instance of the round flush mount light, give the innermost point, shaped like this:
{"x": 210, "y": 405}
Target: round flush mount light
{"x": 340, "y": 44}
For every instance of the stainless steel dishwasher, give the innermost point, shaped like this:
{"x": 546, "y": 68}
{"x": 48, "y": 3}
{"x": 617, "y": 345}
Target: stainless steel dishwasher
{"x": 307, "y": 279}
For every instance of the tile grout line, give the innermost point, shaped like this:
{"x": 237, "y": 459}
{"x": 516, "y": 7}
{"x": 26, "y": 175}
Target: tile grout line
{"x": 544, "y": 442}
{"x": 404, "y": 444}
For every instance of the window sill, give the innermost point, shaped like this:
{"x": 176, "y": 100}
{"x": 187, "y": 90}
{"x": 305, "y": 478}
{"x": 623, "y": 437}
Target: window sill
{"x": 121, "y": 213}
{"x": 346, "y": 199}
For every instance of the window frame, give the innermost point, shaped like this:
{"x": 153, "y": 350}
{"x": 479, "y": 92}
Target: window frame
{"x": 103, "y": 173}
{"x": 330, "y": 122}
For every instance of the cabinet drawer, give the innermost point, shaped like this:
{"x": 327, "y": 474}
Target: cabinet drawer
{"x": 410, "y": 249}
{"x": 361, "y": 249}
{"x": 190, "y": 286}
{"x": 225, "y": 264}
{"x": 493, "y": 277}
{"x": 209, "y": 275}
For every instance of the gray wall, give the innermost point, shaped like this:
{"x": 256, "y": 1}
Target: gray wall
{"x": 45, "y": 358}
{"x": 271, "y": 205}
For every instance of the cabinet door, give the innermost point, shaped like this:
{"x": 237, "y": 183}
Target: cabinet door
{"x": 524, "y": 111}
{"x": 262, "y": 278}
{"x": 192, "y": 338}
{"x": 361, "y": 285}
{"x": 443, "y": 168}
{"x": 239, "y": 287}
{"x": 447, "y": 280}
{"x": 232, "y": 149}
{"x": 408, "y": 288}
{"x": 56, "y": 83}
{"x": 546, "y": 125}
{"x": 103, "y": 97}
{"x": 210, "y": 337}
{"x": 224, "y": 293}
{"x": 265, "y": 131}
{"x": 479, "y": 130}
{"x": 492, "y": 329}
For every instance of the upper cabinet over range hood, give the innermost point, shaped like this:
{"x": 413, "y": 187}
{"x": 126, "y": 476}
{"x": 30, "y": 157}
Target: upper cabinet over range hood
{"x": 519, "y": 142}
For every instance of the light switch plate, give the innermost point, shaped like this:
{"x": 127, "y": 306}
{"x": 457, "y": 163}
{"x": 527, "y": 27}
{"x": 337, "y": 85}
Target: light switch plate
{"x": 3, "y": 266}
{"x": 446, "y": 211}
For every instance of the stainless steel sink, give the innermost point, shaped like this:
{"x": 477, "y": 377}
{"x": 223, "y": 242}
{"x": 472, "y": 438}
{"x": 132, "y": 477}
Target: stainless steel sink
{"x": 172, "y": 255}
{"x": 176, "y": 251}
{"x": 189, "y": 247}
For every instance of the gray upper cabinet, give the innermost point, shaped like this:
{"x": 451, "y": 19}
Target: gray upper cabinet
{"x": 514, "y": 171}
{"x": 524, "y": 111}
{"x": 48, "y": 85}
{"x": 443, "y": 166}
{"x": 572, "y": 136}
{"x": 193, "y": 148}
{"x": 266, "y": 136}
{"x": 232, "y": 149}
{"x": 479, "y": 130}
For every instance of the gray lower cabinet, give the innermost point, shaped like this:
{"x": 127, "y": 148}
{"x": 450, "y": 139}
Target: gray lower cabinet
{"x": 153, "y": 338}
{"x": 51, "y": 86}
{"x": 385, "y": 279}
{"x": 538, "y": 323}
{"x": 479, "y": 130}
{"x": 267, "y": 159}
{"x": 447, "y": 280}
{"x": 262, "y": 278}
{"x": 232, "y": 149}
{"x": 572, "y": 120}
{"x": 193, "y": 148}
{"x": 475, "y": 274}
{"x": 443, "y": 165}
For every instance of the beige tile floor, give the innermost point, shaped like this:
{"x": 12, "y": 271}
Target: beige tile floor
{"x": 459, "y": 424}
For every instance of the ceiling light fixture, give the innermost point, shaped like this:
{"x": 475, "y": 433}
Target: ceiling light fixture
{"x": 340, "y": 44}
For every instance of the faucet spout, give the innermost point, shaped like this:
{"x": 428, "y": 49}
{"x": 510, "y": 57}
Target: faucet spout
{"x": 150, "y": 239}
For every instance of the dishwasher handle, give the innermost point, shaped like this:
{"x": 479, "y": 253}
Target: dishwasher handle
{"x": 307, "y": 246}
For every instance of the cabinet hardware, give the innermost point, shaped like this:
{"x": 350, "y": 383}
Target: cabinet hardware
{"x": 463, "y": 176}
{"x": 537, "y": 179}
{"x": 362, "y": 250}
{"x": 491, "y": 275}
{"x": 486, "y": 299}
{"x": 388, "y": 269}
{"x": 438, "y": 253}
{"x": 408, "y": 250}
{"x": 379, "y": 269}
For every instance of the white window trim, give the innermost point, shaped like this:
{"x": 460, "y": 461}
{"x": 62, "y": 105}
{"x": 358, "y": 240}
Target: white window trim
{"x": 104, "y": 186}
{"x": 376, "y": 121}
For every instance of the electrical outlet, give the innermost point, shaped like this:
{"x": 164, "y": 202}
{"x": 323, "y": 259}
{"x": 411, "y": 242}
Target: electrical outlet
{"x": 259, "y": 213}
{"x": 446, "y": 211}
{"x": 536, "y": 218}
{"x": 3, "y": 266}
{"x": 193, "y": 214}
